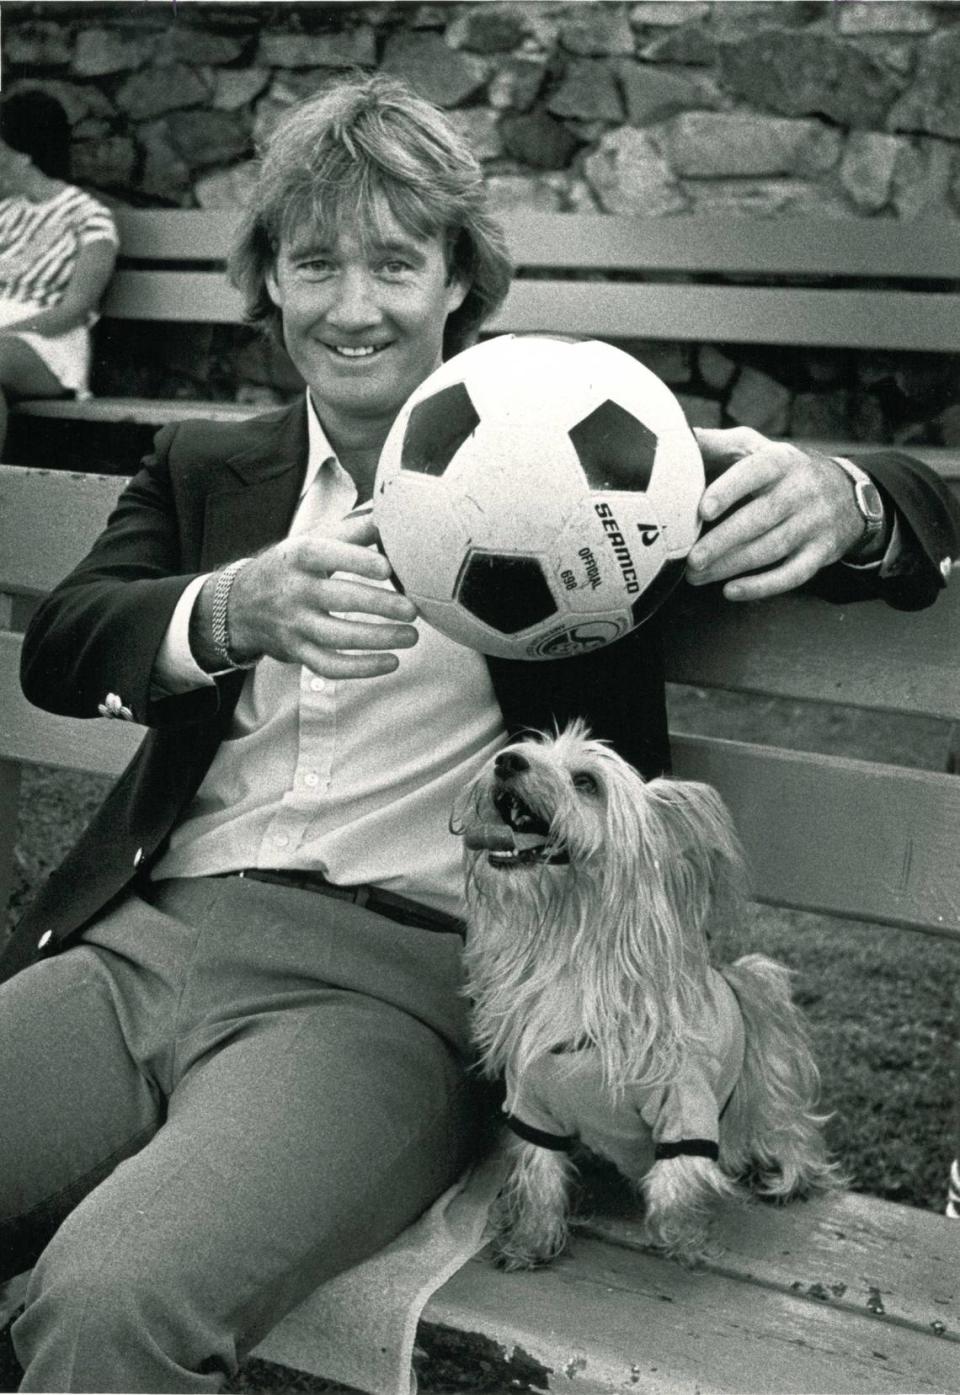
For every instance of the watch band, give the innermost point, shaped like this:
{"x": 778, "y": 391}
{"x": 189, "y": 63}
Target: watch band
{"x": 219, "y": 618}
{"x": 869, "y": 502}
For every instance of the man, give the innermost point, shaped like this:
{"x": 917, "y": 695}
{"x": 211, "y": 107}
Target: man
{"x": 245, "y": 1069}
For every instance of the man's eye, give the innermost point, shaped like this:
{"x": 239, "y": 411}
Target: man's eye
{"x": 585, "y": 782}
{"x": 395, "y": 267}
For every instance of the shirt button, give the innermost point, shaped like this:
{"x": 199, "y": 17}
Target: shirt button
{"x": 281, "y": 840}
{"x": 946, "y": 567}
{"x": 138, "y": 857}
{"x": 316, "y": 685}
{"x": 44, "y": 939}
{"x": 311, "y": 778}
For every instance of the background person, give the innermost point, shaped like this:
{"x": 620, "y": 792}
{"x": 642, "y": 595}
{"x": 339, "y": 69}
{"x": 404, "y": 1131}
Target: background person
{"x": 57, "y": 250}
{"x": 246, "y": 1067}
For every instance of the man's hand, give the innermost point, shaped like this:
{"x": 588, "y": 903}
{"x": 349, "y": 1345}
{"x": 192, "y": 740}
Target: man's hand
{"x": 785, "y": 514}
{"x": 288, "y": 604}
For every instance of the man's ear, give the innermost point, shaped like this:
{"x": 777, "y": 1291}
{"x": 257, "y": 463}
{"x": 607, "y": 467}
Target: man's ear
{"x": 273, "y": 286}
{"x": 457, "y": 289}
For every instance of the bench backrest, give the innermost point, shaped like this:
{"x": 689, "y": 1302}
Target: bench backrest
{"x": 853, "y": 838}
{"x": 871, "y": 283}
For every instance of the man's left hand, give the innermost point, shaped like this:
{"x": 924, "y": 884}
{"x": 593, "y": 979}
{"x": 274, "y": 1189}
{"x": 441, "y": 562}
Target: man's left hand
{"x": 785, "y": 513}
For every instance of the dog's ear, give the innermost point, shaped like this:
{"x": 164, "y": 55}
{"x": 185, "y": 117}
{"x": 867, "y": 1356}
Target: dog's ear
{"x": 671, "y": 852}
{"x": 701, "y": 858}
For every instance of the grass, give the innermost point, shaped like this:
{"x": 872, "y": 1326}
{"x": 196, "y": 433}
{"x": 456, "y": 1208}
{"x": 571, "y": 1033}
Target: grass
{"x": 881, "y": 1002}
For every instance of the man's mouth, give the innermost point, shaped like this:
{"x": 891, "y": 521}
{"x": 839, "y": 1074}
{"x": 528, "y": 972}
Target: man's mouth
{"x": 356, "y": 351}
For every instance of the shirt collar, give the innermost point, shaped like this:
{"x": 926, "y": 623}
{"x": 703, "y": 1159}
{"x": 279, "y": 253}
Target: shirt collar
{"x": 319, "y": 450}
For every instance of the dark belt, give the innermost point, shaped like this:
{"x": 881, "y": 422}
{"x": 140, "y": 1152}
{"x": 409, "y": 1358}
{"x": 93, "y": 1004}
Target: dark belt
{"x": 372, "y": 898}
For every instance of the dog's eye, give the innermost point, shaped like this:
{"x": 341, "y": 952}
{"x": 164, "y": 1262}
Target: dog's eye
{"x": 585, "y": 782}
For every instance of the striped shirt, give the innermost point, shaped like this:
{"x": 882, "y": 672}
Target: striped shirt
{"x": 40, "y": 243}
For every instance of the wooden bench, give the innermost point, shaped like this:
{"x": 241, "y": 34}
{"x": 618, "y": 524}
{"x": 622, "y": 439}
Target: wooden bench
{"x": 861, "y": 283}
{"x": 844, "y": 1294}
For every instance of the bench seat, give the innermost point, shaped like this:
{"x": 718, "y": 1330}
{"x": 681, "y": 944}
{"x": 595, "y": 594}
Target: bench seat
{"x": 843, "y": 1293}
{"x": 145, "y": 411}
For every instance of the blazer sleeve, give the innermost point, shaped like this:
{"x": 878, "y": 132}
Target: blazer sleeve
{"x": 96, "y": 635}
{"x": 929, "y": 515}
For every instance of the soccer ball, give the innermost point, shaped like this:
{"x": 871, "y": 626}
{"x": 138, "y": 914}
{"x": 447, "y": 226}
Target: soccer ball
{"x": 537, "y": 496}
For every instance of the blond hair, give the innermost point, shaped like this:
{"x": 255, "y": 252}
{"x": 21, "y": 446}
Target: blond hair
{"x": 340, "y": 157}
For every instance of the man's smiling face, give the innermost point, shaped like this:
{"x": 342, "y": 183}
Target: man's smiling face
{"x": 363, "y": 317}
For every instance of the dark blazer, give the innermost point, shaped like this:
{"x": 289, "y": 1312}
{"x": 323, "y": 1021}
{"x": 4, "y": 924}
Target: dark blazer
{"x": 212, "y": 492}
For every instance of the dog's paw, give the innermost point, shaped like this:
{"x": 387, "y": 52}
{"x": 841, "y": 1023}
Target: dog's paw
{"x": 514, "y": 1250}
{"x": 527, "y": 1238}
{"x": 686, "y": 1241}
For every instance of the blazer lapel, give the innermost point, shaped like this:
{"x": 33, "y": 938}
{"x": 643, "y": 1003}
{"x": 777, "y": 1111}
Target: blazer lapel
{"x": 255, "y": 504}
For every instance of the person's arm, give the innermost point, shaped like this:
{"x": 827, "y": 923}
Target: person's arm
{"x": 102, "y": 629}
{"x": 778, "y": 516}
{"x": 93, "y": 269}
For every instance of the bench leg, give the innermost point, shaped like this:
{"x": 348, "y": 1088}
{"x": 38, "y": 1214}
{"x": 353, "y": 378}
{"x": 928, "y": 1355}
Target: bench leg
{"x": 9, "y": 804}
{"x": 953, "y": 750}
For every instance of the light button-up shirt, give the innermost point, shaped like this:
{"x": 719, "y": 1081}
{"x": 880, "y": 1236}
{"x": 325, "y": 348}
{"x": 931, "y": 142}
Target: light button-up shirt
{"x": 354, "y": 778}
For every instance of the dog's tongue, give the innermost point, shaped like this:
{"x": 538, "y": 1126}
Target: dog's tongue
{"x": 500, "y": 837}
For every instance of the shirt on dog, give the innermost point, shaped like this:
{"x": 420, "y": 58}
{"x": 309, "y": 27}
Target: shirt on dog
{"x": 561, "y": 1098}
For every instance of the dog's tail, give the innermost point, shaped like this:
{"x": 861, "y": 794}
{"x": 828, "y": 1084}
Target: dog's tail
{"x": 770, "y": 1131}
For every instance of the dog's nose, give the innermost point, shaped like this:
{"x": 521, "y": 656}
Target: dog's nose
{"x": 510, "y": 763}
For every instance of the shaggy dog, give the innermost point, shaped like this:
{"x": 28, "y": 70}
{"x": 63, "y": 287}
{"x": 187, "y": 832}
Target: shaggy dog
{"x": 589, "y": 894}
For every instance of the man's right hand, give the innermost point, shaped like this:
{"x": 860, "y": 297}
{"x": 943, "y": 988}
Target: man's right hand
{"x": 288, "y": 604}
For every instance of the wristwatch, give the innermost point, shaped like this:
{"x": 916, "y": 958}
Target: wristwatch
{"x": 870, "y": 503}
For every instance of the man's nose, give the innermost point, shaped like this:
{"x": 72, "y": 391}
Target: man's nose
{"x": 354, "y": 304}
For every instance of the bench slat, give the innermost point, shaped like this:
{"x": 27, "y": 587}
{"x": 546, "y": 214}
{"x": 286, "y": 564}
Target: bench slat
{"x": 856, "y": 1252}
{"x": 604, "y": 1318}
{"x": 735, "y": 314}
{"x": 617, "y": 310}
{"x": 751, "y": 247}
{"x": 783, "y": 647}
{"x": 920, "y": 249}
{"x": 197, "y": 297}
{"x": 48, "y": 521}
{"x": 844, "y": 837}
{"x": 65, "y": 743}
{"x": 171, "y": 234}
{"x": 150, "y": 411}
{"x": 798, "y": 646}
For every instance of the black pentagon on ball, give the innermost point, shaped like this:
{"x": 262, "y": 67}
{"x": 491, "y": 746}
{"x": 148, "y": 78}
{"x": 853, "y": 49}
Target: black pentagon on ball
{"x": 615, "y": 449}
{"x": 436, "y": 429}
{"x": 507, "y": 592}
{"x": 659, "y": 589}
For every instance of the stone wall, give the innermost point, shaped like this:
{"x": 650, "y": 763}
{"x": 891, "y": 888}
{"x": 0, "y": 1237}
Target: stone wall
{"x": 730, "y": 108}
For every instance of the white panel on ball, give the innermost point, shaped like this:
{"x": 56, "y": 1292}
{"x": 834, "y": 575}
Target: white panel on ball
{"x": 433, "y": 552}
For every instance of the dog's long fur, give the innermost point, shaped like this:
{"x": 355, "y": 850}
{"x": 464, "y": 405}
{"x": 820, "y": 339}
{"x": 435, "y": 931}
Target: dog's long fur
{"x": 610, "y": 949}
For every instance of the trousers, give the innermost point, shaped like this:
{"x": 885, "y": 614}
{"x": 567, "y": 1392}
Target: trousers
{"x": 223, "y": 1095}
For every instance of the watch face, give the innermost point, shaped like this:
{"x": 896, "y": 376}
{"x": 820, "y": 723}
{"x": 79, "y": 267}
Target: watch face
{"x": 871, "y": 505}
